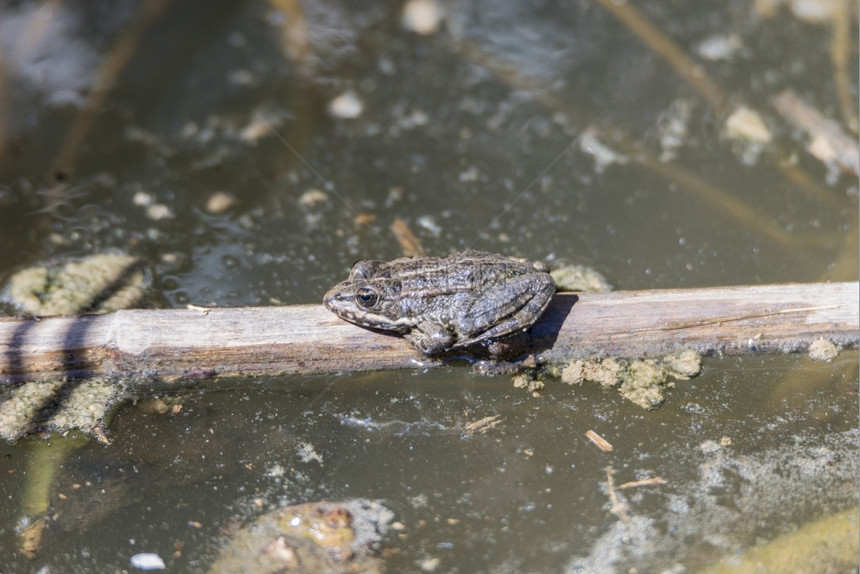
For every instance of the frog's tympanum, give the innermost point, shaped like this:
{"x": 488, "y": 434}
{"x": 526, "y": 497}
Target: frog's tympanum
{"x": 445, "y": 303}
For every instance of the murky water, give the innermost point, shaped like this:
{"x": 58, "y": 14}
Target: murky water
{"x": 476, "y": 135}
{"x": 748, "y": 449}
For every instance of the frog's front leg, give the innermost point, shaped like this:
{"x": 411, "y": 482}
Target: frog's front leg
{"x": 430, "y": 338}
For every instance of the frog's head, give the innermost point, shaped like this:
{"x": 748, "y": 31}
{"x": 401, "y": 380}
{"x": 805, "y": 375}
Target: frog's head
{"x": 368, "y": 299}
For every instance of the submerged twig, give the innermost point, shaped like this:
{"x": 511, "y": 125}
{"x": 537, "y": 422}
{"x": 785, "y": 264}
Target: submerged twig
{"x": 813, "y": 189}
{"x": 618, "y": 507}
{"x": 685, "y": 67}
{"x": 690, "y": 181}
{"x": 828, "y": 142}
{"x": 697, "y": 77}
{"x": 409, "y": 243}
{"x": 712, "y": 194}
{"x": 44, "y": 462}
{"x": 294, "y": 38}
{"x": 840, "y": 50}
{"x": 4, "y": 104}
{"x": 105, "y": 78}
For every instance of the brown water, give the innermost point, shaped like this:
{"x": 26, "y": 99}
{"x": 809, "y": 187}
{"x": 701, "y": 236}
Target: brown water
{"x": 472, "y": 135}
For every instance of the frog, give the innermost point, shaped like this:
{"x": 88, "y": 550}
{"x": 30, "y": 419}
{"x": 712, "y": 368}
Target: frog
{"x": 463, "y": 301}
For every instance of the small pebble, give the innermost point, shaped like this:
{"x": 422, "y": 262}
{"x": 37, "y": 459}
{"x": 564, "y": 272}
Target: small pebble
{"x": 429, "y": 564}
{"x": 422, "y": 16}
{"x": 346, "y": 106}
{"x": 142, "y": 199}
{"x": 158, "y": 211}
{"x": 719, "y": 47}
{"x": 813, "y": 11}
{"x": 312, "y": 197}
{"x": 219, "y": 202}
{"x": 147, "y": 561}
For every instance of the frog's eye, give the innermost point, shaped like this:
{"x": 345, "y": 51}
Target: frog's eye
{"x": 366, "y": 297}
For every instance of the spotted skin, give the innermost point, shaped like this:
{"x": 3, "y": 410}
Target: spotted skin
{"x": 445, "y": 303}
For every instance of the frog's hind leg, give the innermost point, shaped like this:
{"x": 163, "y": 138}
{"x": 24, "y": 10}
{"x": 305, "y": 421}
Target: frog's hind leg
{"x": 531, "y": 298}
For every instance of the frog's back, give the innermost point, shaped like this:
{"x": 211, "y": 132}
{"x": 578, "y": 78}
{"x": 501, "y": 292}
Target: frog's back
{"x": 462, "y": 271}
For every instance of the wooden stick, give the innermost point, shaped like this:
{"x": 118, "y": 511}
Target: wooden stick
{"x": 187, "y": 344}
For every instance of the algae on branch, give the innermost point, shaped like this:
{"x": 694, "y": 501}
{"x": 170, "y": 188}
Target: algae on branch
{"x": 99, "y": 284}
{"x": 57, "y": 405}
{"x": 579, "y": 278}
{"x": 642, "y": 381}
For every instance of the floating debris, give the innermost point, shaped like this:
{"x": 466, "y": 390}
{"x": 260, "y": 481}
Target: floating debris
{"x": 307, "y": 453}
{"x": 747, "y": 124}
{"x": 644, "y": 482}
{"x": 598, "y": 441}
{"x": 603, "y": 155}
{"x": 619, "y": 507}
{"x": 748, "y": 133}
{"x": 808, "y": 11}
{"x": 481, "y": 426}
{"x": 529, "y": 383}
{"x": 673, "y": 127}
{"x": 312, "y": 197}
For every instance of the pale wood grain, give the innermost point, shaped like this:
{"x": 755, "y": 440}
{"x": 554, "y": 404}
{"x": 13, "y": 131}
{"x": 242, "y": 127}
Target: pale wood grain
{"x": 178, "y": 344}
